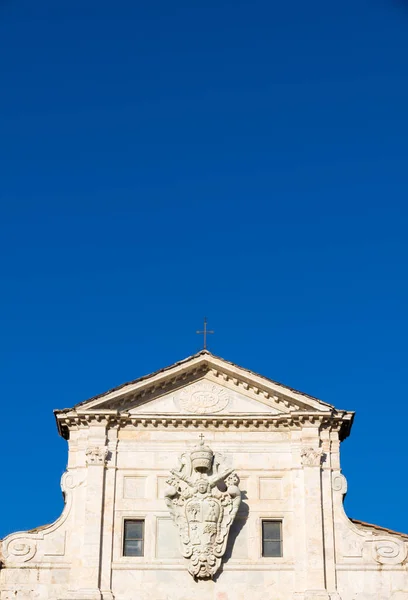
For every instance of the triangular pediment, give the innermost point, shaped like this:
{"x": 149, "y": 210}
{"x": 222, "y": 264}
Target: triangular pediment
{"x": 165, "y": 388}
{"x": 203, "y": 386}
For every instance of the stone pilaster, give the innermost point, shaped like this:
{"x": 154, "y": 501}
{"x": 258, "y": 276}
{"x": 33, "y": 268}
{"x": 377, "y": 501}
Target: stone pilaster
{"x": 327, "y": 508}
{"x": 298, "y": 501}
{"x": 85, "y": 570}
{"x": 108, "y": 517}
{"x": 311, "y": 458}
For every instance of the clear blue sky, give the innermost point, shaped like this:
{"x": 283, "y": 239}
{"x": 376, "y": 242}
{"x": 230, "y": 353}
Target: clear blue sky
{"x": 160, "y": 161}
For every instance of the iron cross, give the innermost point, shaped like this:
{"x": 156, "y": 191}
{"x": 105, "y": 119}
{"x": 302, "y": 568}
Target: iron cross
{"x": 205, "y": 332}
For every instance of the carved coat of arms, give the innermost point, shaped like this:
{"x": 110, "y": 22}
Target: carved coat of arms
{"x": 203, "y": 497}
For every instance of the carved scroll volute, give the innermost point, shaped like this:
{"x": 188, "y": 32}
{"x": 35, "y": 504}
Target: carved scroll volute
{"x": 25, "y": 546}
{"x": 203, "y": 497}
{"x": 385, "y": 550}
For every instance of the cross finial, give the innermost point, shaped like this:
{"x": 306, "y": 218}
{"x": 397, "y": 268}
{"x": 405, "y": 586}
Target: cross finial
{"x": 204, "y": 333}
{"x": 201, "y": 436}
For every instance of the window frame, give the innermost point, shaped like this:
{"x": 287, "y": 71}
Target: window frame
{"x": 125, "y": 539}
{"x": 263, "y": 539}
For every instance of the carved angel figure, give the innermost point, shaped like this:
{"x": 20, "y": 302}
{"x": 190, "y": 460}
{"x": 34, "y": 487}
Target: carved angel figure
{"x": 202, "y": 511}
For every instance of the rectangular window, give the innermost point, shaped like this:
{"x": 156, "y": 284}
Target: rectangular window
{"x": 133, "y": 538}
{"x": 271, "y": 538}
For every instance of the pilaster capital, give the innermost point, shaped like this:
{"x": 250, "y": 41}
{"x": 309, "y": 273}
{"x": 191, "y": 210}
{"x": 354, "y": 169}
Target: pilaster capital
{"x": 311, "y": 457}
{"x": 96, "y": 455}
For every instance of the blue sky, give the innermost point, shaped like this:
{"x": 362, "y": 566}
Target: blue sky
{"x": 242, "y": 160}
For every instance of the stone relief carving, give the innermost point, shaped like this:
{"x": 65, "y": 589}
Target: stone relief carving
{"x": 70, "y": 480}
{"x": 311, "y": 457}
{"x": 96, "y": 455}
{"x": 203, "y": 497}
{"x": 203, "y": 398}
{"x": 387, "y": 551}
{"x": 339, "y": 483}
{"x": 21, "y": 549}
{"x": 22, "y": 546}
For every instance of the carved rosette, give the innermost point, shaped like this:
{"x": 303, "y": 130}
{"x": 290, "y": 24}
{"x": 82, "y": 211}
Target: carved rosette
{"x": 203, "y": 398}
{"x": 203, "y": 497}
{"x": 96, "y": 455}
{"x": 311, "y": 457}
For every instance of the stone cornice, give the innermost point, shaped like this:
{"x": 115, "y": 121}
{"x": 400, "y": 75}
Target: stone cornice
{"x": 337, "y": 421}
{"x": 141, "y": 390}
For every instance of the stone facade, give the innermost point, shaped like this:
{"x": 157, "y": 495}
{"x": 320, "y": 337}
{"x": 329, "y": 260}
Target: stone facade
{"x": 269, "y": 454}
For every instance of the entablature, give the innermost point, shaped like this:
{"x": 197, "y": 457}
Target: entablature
{"x": 339, "y": 422}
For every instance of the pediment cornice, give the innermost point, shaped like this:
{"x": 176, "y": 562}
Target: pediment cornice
{"x": 114, "y": 406}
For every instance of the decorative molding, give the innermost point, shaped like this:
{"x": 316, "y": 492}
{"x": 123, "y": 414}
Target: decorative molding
{"x": 134, "y": 486}
{"x": 267, "y": 421}
{"x": 270, "y": 488}
{"x": 311, "y": 457}
{"x": 55, "y": 545}
{"x": 96, "y": 455}
{"x": 202, "y": 510}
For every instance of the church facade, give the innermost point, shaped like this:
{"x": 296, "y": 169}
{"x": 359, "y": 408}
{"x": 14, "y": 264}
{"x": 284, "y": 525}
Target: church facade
{"x": 204, "y": 480}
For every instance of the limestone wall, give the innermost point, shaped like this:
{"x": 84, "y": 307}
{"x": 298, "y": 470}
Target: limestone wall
{"x": 371, "y": 562}
{"x": 118, "y": 473}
